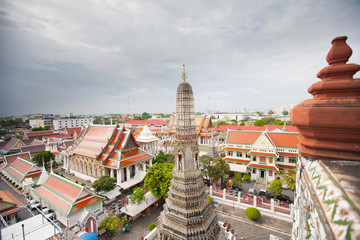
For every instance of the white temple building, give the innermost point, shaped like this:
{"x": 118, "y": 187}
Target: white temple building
{"x": 147, "y": 140}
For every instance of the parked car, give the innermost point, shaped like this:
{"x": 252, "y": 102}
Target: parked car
{"x": 252, "y": 192}
{"x": 284, "y": 198}
{"x": 237, "y": 187}
{"x": 34, "y": 203}
{"x": 265, "y": 193}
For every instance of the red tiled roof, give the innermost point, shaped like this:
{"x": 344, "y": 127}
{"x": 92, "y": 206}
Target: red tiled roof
{"x": 8, "y": 197}
{"x": 237, "y": 160}
{"x": 53, "y": 198}
{"x": 64, "y": 188}
{"x": 224, "y": 128}
{"x": 285, "y": 140}
{"x": 134, "y": 159}
{"x": 84, "y": 203}
{"x": 130, "y": 153}
{"x": 286, "y": 153}
{"x": 242, "y": 137}
{"x": 15, "y": 173}
{"x": 11, "y": 158}
{"x": 262, "y": 166}
{"x": 285, "y": 166}
{"x": 237, "y": 149}
{"x": 149, "y": 122}
{"x": 21, "y": 166}
{"x": 262, "y": 153}
{"x": 39, "y": 133}
{"x": 58, "y": 136}
{"x": 73, "y": 130}
{"x": 100, "y": 132}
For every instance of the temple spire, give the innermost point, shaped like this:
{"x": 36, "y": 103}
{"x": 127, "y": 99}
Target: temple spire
{"x": 184, "y": 75}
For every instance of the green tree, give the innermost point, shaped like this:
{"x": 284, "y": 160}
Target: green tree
{"x": 247, "y": 178}
{"x": 218, "y": 123}
{"x": 285, "y": 113}
{"x": 7, "y": 139}
{"x": 259, "y": 123}
{"x": 220, "y": 169}
{"x": 157, "y": 179}
{"x": 253, "y": 213}
{"x": 145, "y": 116}
{"x": 275, "y": 187}
{"x": 43, "y": 155}
{"x": 162, "y": 158}
{"x": 289, "y": 178}
{"x": 37, "y": 129}
{"x": 104, "y": 183}
{"x": 205, "y": 162}
{"x": 271, "y": 112}
{"x": 97, "y": 120}
{"x": 111, "y": 224}
{"x": 151, "y": 226}
{"x": 278, "y": 122}
{"x": 138, "y": 195}
{"x": 269, "y": 120}
{"x": 237, "y": 178}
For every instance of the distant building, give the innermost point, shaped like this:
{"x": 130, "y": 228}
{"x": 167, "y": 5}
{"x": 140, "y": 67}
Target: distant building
{"x": 38, "y": 134}
{"x": 152, "y": 124}
{"x": 71, "y": 122}
{"x": 262, "y": 154}
{"x": 34, "y": 123}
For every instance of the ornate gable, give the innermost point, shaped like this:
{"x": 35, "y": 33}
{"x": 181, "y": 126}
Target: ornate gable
{"x": 264, "y": 142}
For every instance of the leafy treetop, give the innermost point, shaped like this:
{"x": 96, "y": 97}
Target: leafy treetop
{"x": 104, "y": 183}
{"x": 157, "y": 179}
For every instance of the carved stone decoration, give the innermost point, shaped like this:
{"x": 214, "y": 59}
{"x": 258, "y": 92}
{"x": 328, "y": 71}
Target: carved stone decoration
{"x": 187, "y": 214}
{"x": 329, "y": 124}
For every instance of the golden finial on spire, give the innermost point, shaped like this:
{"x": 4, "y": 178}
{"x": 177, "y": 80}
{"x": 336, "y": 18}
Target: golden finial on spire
{"x": 184, "y": 75}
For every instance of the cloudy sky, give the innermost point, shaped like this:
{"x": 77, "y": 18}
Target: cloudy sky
{"x": 90, "y": 56}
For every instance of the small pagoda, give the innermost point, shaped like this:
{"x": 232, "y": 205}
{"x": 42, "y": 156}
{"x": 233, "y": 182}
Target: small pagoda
{"x": 187, "y": 214}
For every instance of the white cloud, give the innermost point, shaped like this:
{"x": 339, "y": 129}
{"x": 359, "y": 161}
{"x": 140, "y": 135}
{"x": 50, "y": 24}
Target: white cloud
{"x": 96, "y": 53}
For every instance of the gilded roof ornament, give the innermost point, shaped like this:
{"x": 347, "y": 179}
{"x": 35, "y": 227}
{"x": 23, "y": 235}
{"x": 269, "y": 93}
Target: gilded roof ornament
{"x": 184, "y": 75}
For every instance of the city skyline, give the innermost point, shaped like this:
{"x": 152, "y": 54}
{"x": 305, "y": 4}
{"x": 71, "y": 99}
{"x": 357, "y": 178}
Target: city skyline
{"x": 63, "y": 57}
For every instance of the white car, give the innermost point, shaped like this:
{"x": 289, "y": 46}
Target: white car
{"x": 34, "y": 203}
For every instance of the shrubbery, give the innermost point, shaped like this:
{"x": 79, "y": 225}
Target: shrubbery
{"x": 246, "y": 178}
{"x": 151, "y": 226}
{"x": 252, "y": 213}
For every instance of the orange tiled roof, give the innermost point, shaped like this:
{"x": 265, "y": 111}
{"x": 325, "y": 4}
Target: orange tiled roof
{"x": 286, "y": 153}
{"x": 31, "y": 134}
{"x": 134, "y": 159}
{"x": 237, "y": 160}
{"x": 262, "y": 166}
{"x": 53, "y": 198}
{"x": 62, "y": 187}
{"x": 84, "y": 203}
{"x": 237, "y": 149}
{"x": 242, "y": 137}
{"x": 286, "y": 166}
{"x": 262, "y": 153}
{"x": 284, "y": 139}
{"x": 11, "y": 158}
{"x": 149, "y": 122}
